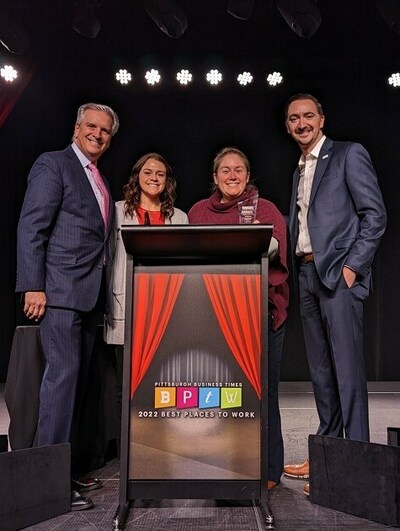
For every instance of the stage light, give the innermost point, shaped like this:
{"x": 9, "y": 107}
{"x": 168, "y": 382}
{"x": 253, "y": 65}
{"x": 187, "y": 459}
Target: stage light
{"x": 152, "y": 77}
{"x": 123, "y": 76}
{"x": 390, "y": 12}
{"x": 394, "y": 79}
{"x": 8, "y": 73}
{"x": 245, "y": 78}
{"x": 184, "y": 77}
{"x": 214, "y": 77}
{"x": 168, "y": 16}
{"x": 86, "y": 21}
{"x": 241, "y": 9}
{"x": 274, "y": 79}
{"x": 12, "y": 35}
{"x": 302, "y": 16}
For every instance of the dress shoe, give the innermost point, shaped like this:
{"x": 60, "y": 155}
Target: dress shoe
{"x": 306, "y": 489}
{"x": 79, "y": 502}
{"x": 85, "y": 484}
{"x": 301, "y": 471}
{"x": 271, "y": 484}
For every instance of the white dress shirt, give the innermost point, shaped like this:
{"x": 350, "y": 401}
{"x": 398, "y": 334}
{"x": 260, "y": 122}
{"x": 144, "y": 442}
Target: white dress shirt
{"x": 307, "y": 166}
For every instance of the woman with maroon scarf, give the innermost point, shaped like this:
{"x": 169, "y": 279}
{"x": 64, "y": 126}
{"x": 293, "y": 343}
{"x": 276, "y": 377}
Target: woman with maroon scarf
{"x": 231, "y": 173}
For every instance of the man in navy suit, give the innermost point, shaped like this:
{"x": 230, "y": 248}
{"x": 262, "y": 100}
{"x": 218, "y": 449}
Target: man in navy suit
{"x": 62, "y": 252}
{"x": 337, "y": 218}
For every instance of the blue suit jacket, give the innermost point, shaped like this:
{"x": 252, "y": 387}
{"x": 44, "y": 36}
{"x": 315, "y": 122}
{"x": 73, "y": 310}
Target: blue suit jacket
{"x": 61, "y": 241}
{"x": 346, "y": 215}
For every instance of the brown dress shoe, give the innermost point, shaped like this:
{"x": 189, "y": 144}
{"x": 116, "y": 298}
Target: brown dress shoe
{"x": 306, "y": 489}
{"x": 301, "y": 471}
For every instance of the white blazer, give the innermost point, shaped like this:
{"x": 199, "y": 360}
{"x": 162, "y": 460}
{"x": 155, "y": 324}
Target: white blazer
{"x": 114, "y": 321}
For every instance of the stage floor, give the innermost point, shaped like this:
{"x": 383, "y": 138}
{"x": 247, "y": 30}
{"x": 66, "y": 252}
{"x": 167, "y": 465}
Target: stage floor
{"x": 291, "y": 509}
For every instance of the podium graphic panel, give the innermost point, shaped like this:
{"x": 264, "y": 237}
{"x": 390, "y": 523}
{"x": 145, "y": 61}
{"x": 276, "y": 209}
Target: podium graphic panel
{"x": 195, "y": 374}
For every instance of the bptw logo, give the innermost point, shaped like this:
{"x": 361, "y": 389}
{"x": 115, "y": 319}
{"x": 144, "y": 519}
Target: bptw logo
{"x": 201, "y": 397}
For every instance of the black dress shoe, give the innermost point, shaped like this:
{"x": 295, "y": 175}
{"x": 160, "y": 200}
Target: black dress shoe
{"x": 79, "y": 502}
{"x": 84, "y": 484}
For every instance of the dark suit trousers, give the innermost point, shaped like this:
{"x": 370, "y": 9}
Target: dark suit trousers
{"x": 67, "y": 338}
{"x": 333, "y": 333}
{"x": 275, "y": 440}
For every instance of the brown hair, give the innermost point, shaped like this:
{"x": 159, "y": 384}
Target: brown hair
{"x": 132, "y": 189}
{"x": 221, "y": 154}
{"x": 226, "y": 151}
{"x": 303, "y": 96}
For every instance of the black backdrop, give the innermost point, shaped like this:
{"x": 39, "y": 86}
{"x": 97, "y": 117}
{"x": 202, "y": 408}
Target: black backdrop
{"x": 345, "y": 64}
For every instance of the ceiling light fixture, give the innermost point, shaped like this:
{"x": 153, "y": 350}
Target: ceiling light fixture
{"x": 214, "y": 77}
{"x": 123, "y": 76}
{"x": 241, "y": 9}
{"x": 390, "y": 12}
{"x": 302, "y": 16}
{"x": 86, "y": 22}
{"x": 274, "y": 79}
{"x": 184, "y": 77}
{"x": 8, "y": 73}
{"x": 12, "y": 34}
{"x": 394, "y": 80}
{"x": 152, "y": 77}
{"x": 245, "y": 78}
{"x": 168, "y": 16}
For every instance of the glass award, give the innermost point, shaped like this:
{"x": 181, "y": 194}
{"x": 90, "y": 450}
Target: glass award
{"x": 248, "y": 209}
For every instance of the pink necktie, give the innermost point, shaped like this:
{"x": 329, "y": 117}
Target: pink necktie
{"x": 105, "y": 204}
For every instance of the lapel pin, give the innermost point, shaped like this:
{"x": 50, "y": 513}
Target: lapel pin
{"x": 325, "y": 156}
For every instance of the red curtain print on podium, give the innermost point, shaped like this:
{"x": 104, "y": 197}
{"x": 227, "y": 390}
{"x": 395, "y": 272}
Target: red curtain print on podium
{"x": 155, "y": 294}
{"x": 236, "y": 303}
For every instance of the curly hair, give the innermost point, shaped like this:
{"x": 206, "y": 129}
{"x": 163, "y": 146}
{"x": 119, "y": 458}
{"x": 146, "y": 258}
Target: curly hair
{"x": 132, "y": 189}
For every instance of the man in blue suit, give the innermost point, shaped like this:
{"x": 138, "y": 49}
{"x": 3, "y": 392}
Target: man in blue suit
{"x": 62, "y": 252}
{"x": 337, "y": 218}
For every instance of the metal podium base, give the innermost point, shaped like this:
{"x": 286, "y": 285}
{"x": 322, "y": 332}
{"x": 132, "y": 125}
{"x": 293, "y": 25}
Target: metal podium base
{"x": 121, "y": 516}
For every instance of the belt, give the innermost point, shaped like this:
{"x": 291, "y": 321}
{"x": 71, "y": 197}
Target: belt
{"x": 306, "y": 258}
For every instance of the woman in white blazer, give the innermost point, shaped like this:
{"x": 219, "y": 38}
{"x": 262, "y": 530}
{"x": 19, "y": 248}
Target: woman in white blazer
{"x": 148, "y": 200}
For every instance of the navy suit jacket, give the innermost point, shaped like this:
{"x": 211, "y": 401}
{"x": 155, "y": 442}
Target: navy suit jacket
{"x": 61, "y": 241}
{"x": 346, "y": 215}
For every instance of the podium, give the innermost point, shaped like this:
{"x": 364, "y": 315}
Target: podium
{"x": 194, "y": 411}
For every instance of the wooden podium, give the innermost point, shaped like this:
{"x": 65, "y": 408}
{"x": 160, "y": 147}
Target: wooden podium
{"x": 194, "y": 411}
